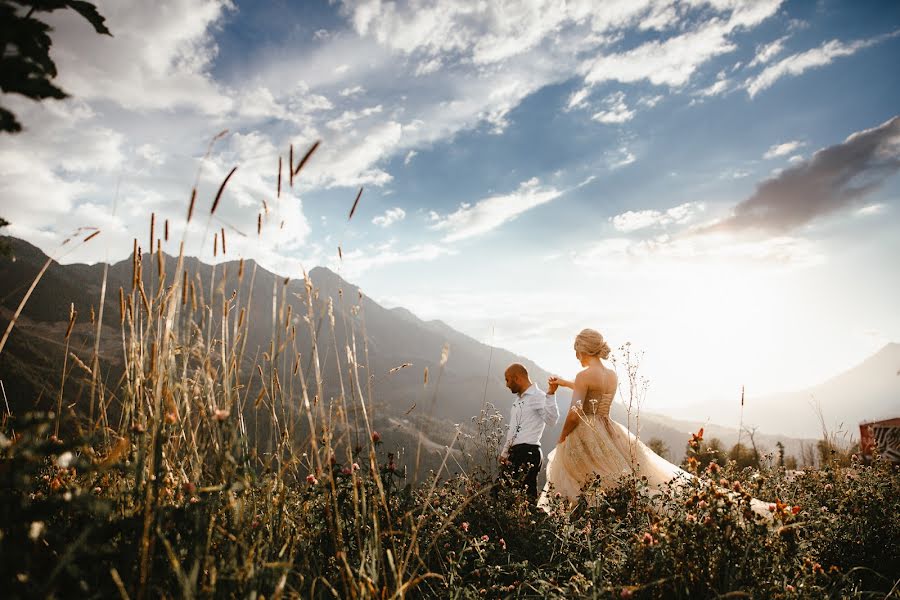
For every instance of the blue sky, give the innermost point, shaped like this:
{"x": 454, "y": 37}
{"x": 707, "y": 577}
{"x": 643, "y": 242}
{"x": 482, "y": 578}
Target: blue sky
{"x": 712, "y": 180}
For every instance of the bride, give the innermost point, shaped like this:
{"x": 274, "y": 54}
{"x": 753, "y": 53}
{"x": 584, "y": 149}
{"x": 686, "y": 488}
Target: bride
{"x": 593, "y": 445}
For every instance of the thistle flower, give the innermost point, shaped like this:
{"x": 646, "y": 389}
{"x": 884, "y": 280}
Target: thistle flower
{"x": 311, "y": 479}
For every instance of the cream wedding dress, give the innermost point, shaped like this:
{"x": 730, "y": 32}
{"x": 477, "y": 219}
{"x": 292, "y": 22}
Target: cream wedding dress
{"x": 601, "y": 447}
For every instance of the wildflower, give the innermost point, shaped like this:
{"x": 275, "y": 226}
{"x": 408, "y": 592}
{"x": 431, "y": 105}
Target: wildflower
{"x": 98, "y": 491}
{"x": 354, "y": 467}
{"x": 35, "y": 531}
{"x": 465, "y": 526}
{"x": 65, "y": 459}
{"x": 346, "y": 471}
{"x": 485, "y": 538}
{"x": 502, "y": 543}
{"x": 626, "y": 593}
{"x": 221, "y": 414}
{"x": 789, "y": 588}
{"x": 311, "y": 479}
{"x": 795, "y": 510}
{"x": 702, "y": 504}
{"x": 189, "y": 488}
{"x": 771, "y": 508}
{"x": 648, "y": 539}
{"x": 376, "y": 437}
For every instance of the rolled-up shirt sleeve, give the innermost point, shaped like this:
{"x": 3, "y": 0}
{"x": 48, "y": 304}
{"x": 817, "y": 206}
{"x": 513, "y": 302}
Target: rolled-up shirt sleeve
{"x": 545, "y": 406}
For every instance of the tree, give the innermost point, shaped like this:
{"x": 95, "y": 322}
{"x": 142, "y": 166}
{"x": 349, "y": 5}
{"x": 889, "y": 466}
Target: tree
{"x": 743, "y": 456}
{"x": 659, "y": 447}
{"x": 25, "y": 64}
{"x": 780, "y": 447}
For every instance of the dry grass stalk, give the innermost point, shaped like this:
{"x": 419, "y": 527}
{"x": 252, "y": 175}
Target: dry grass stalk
{"x": 307, "y": 156}
{"x": 191, "y": 205}
{"x": 152, "y": 229}
{"x": 215, "y": 204}
{"x": 291, "y": 165}
{"x": 278, "y": 193}
{"x": 355, "y": 202}
{"x": 223, "y": 240}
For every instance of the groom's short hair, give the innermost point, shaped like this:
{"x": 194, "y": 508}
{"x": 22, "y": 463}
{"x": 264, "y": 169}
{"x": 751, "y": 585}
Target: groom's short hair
{"x": 517, "y": 369}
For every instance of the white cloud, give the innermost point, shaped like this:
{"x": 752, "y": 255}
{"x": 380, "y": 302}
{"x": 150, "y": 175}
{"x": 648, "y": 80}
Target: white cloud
{"x": 362, "y": 260}
{"x": 621, "y": 158}
{"x": 158, "y": 58}
{"x": 871, "y": 209}
{"x": 767, "y": 52}
{"x": 631, "y": 221}
{"x": 616, "y": 110}
{"x": 471, "y": 220}
{"x": 409, "y": 156}
{"x": 716, "y": 88}
{"x": 650, "y": 101}
{"x": 797, "y": 64}
{"x": 782, "y": 149}
{"x": 349, "y": 118}
{"x": 663, "y": 252}
{"x": 390, "y": 216}
{"x": 672, "y": 61}
{"x": 351, "y": 91}
{"x": 578, "y": 98}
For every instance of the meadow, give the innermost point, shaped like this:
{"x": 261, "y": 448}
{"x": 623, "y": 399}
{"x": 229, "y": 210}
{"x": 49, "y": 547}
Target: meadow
{"x": 208, "y": 469}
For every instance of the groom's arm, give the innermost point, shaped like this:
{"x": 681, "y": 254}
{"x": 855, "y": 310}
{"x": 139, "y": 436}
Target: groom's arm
{"x": 546, "y": 407}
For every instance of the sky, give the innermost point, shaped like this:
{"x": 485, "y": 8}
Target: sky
{"x": 713, "y": 181}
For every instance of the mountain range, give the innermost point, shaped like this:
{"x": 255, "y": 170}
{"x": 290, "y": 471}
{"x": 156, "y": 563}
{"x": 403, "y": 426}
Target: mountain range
{"x": 869, "y": 391}
{"x": 400, "y": 347}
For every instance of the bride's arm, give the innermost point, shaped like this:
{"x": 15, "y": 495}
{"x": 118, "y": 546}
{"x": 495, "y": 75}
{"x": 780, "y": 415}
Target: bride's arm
{"x": 561, "y": 382}
{"x": 573, "y": 418}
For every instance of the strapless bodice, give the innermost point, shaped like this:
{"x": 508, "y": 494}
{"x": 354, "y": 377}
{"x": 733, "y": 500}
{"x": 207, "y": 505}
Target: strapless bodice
{"x": 597, "y": 403}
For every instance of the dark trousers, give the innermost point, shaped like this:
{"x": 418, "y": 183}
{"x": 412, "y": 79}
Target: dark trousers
{"x": 522, "y": 469}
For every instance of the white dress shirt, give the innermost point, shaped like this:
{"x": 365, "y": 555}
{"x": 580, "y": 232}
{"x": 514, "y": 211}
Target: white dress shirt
{"x": 530, "y": 413}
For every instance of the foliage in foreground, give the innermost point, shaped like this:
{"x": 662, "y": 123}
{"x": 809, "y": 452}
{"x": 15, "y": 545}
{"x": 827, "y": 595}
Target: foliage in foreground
{"x": 76, "y": 522}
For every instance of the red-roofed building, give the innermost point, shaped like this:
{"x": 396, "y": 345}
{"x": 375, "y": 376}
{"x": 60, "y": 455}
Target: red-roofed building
{"x": 883, "y": 436}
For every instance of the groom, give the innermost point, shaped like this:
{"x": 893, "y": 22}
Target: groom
{"x": 532, "y": 410}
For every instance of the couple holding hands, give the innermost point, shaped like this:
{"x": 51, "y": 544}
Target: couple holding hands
{"x": 591, "y": 445}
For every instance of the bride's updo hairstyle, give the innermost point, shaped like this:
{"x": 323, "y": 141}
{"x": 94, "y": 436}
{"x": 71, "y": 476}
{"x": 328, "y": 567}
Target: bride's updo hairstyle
{"x": 591, "y": 343}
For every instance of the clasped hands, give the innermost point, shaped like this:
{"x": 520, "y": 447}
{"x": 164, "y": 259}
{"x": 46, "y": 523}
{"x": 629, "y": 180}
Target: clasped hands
{"x": 555, "y": 382}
